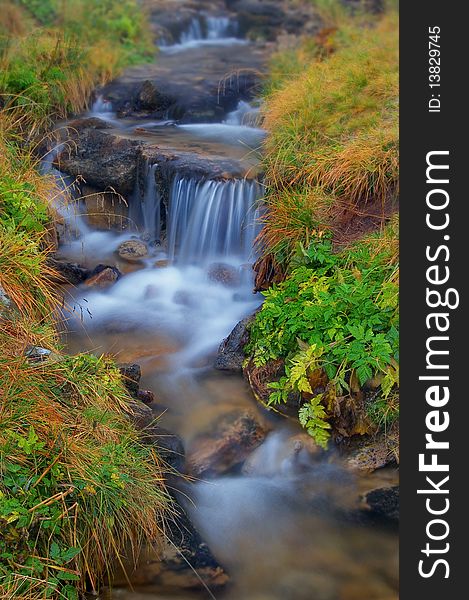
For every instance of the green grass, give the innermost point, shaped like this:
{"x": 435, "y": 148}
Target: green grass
{"x": 77, "y": 487}
{"x": 333, "y": 142}
{"x": 331, "y": 166}
{"x": 78, "y": 491}
{"x": 52, "y": 54}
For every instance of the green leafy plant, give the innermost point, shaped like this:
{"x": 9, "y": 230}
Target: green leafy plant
{"x": 312, "y": 416}
{"x": 335, "y": 313}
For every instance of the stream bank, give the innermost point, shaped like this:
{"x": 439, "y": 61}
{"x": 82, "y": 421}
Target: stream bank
{"x": 281, "y": 516}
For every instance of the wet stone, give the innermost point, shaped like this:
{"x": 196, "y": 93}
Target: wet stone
{"x": 133, "y": 250}
{"x": 231, "y": 355}
{"x": 224, "y": 274}
{"x": 131, "y": 374}
{"x": 232, "y": 438}
{"x": 383, "y": 502}
{"x": 103, "y": 277}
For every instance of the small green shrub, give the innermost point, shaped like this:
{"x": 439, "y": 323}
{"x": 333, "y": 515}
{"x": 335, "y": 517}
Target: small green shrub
{"x": 336, "y": 313}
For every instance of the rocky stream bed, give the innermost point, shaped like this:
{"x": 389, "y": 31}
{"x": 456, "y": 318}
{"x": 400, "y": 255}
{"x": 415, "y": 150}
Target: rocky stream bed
{"x": 158, "y": 260}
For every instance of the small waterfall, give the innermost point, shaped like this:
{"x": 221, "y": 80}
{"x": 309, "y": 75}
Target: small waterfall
{"x": 101, "y": 106}
{"x": 146, "y": 206}
{"x": 245, "y": 114}
{"x": 63, "y": 201}
{"x": 193, "y": 32}
{"x": 205, "y": 30}
{"x": 212, "y": 219}
{"x": 220, "y": 27}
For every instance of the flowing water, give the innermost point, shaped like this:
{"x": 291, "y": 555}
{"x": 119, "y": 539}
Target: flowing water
{"x": 282, "y": 526}
{"x": 205, "y": 30}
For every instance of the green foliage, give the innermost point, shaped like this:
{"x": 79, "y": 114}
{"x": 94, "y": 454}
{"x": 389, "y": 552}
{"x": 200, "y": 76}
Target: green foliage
{"x": 20, "y": 207}
{"x": 332, "y": 114}
{"x": 44, "y": 11}
{"x": 313, "y": 417}
{"x": 335, "y": 312}
{"x": 52, "y": 71}
{"x": 75, "y": 487}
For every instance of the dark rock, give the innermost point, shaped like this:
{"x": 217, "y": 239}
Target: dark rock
{"x": 150, "y": 98}
{"x": 88, "y": 123}
{"x": 133, "y": 250}
{"x": 168, "y": 445}
{"x": 184, "y": 561}
{"x": 383, "y": 502}
{"x": 231, "y": 355}
{"x": 103, "y": 160}
{"x": 146, "y": 396}
{"x": 260, "y": 19}
{"x": 131, "y": 374}
{"x": 371, "y": 453}
{"x": 193, "y": 554}
{"x": 67, "y": 272}
{"x": 233, "y": 437}
{"x": 224, "y": 273}
{"x": 103, "y": 276}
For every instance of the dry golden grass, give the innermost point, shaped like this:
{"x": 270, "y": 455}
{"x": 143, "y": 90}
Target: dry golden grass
{"x": 109, "y": 492}
{"x": 333, "y": 143}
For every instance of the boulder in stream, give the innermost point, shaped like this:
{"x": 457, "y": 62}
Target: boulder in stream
{"x": 133, "y": 250}
{"x": 232, "y": 438}
{"x": 224, "y": 273}
{"x": 103, "y": 160}
{"x": 383, "y": 502}
{"x": 231, "y": 355}
{"x": 103, "y": 276}
{"x": 150, "y": 98}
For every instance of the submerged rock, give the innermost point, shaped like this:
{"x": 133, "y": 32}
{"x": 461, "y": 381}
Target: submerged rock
{"x": 283, "y": 455}
{"x": 383, "y": 501}
{"x": 224, "y": 274}
{"x": 233, "y": 437}
{"x": 133, "y": 250}
{"x": 231, "y": 355}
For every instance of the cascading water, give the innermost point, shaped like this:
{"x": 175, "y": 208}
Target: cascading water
{"x": 220, "y": 27}
{"x": 193, "y": 32}
{"x": 209, "y": 220}
{"x": 102, "y": 106}
{"x": 273, "y": 524}
{"x": 145, "y": 209}
{"x": 205, "y": 30}
{"x": 244, "y": 114}
{"x": 103, "y": 109}
{"x": 62, "y": 200}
